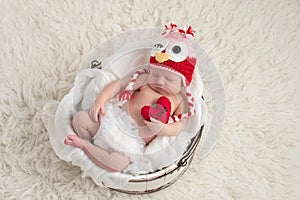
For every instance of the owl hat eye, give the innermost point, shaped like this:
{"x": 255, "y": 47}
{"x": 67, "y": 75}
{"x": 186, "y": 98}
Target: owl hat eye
{"x": 178, "y": 51}
{"x": 159, "y": 46}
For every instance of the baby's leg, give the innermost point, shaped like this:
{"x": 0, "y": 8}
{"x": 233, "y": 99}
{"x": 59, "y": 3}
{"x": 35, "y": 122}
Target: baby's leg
{"x": 84, "y": 126}
{"x": 113, "y": 162}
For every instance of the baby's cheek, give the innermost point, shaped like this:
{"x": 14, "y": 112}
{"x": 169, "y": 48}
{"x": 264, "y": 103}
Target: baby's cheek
{"x": 150, "y": 80}
{"x": 176, "y": 88}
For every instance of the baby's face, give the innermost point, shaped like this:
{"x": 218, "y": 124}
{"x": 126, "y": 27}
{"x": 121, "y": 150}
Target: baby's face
{"x": 164, "y": 82}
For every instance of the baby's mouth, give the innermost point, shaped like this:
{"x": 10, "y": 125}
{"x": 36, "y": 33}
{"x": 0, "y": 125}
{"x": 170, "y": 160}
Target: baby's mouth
{"x": 160, "y": 89}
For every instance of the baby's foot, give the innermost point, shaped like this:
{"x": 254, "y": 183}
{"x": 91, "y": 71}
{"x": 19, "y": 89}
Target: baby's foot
{"x": 75, "y": 141}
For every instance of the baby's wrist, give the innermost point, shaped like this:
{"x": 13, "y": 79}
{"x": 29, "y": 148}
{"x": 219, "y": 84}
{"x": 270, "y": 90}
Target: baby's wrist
{"x": 99, "y": 99}
{"x": 163, "y": 129}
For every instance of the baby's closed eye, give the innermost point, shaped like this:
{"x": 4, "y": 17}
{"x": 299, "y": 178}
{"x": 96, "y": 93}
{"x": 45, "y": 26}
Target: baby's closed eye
{"x": 171, "y": 80}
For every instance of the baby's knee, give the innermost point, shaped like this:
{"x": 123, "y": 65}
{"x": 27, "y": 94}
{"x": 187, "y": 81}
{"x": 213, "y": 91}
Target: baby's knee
{"x": 81, "y": 120}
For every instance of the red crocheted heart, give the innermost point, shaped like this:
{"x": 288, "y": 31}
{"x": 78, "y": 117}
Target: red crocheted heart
{"x": 159, "y": 111}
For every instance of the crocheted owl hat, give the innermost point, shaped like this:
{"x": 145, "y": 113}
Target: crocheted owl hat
{"x": 176, "y": 55}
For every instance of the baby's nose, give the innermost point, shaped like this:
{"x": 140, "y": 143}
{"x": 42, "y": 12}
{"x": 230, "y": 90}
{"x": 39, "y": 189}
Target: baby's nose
{"x": 160, "y": 81}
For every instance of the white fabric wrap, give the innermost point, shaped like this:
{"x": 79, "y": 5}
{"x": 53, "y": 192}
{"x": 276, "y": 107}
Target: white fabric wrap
{"x": 161, "y": 152}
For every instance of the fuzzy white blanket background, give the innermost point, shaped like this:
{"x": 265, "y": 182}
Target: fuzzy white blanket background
{"x": 255, "y": 44}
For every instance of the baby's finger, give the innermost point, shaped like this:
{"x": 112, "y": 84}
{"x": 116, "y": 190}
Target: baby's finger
{"x": 93, "y": 113}
{"x": 102, "y": 110}
{"x": 147, "y": 122}
{"x": 97, "y": 115}
{"x": 67, "y": 142}
{"x": 90, "y": 113}
{"x": 154, "y": 120}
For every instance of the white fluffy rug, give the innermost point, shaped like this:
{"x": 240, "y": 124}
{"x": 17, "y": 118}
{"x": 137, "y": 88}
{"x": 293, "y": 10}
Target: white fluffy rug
{"x": 255, "y": 44}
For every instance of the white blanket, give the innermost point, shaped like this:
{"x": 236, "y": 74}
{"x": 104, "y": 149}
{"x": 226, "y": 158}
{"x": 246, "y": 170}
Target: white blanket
{"x": 162, "y": 152}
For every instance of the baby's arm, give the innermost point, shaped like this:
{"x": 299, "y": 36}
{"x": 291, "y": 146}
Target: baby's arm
{"x": 117, "y": 86}
{"x": 172, "y": 129}
{"x": 175, "y": 128}
{"x": 158, "y": 128}
{"x": 112, "y": 89}
{"x": 109, "y": 91}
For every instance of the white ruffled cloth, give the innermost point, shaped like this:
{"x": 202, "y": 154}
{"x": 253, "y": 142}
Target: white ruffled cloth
{"x": 161, "y": 152}
{"x": 119, "y": 132}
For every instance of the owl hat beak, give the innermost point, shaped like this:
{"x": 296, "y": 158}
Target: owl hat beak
{"x": 162, "y": 57}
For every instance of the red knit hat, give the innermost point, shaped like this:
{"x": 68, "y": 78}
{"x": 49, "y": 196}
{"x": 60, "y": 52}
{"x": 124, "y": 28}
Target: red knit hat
{"x": 175, "y": 53}
{"x": 184, "y": 68}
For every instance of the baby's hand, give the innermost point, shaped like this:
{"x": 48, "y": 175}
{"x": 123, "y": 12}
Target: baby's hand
{"x": 95, "y": 110}
{"x": 155, "y": 126}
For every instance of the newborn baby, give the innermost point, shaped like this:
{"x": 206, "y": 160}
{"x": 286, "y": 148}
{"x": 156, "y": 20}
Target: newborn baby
{"x": 155, "y": 101}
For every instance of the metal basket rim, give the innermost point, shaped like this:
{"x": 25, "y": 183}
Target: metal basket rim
{"x": 187, "y": 156}
{"x": 190, "y": 150}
